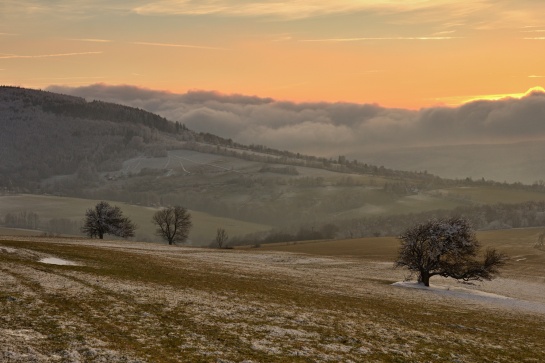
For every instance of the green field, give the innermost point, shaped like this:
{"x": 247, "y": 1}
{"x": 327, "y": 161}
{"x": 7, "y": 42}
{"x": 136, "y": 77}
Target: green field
{"x": 47, "y": 207}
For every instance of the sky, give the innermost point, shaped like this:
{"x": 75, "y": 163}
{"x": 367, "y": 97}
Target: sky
{"x": 392, "y": 53}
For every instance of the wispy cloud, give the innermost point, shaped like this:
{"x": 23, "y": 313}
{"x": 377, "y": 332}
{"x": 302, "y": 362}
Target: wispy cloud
{"x": 376, "y": 38}
{"x": 91, "y": 40}
{"x": 445, "y": 32}
{"x": 534, "y": 38}
{"x": 177, "y": 45}
{"x": 291, "y": 9}
{"x": 67, "y": 78}
{"x": 534, "y": 76}
{"x": 457, "y": 100}
{"x": 16, "y": 56}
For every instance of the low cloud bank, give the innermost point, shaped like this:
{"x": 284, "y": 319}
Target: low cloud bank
{"x": 331, "y": 129}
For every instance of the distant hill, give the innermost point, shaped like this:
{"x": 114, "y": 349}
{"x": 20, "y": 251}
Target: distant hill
{"x": 43, "y": 134}
{"x": 66, "y": 146}
{"x": 497, "y": 140}
{"x": 522, "y": 161}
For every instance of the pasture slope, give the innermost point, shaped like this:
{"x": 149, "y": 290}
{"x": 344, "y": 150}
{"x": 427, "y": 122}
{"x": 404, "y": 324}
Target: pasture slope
{"x": 48, "y": 207}
{"x": 141, "y": 302}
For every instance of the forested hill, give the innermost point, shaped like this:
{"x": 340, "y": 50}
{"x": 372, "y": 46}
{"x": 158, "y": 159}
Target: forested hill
{"x": 43, "y": 134}
{"x": 71, "y": 106}
{"x": 67, "y": 146}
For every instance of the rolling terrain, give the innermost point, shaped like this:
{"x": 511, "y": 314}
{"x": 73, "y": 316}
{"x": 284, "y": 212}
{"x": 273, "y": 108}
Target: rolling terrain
{"x": 138, "y": 302}
{"x": 73, "y": 209}
{"x": 61, "y": 146}
{"x": 70, "y": 299}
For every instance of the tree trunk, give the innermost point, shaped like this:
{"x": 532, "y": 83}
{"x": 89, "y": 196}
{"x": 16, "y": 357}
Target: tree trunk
{"x": 424, "y": 278}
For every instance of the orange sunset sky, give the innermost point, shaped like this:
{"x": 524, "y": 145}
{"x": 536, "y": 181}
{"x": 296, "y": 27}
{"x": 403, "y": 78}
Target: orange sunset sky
{"x": 408, "y": 54}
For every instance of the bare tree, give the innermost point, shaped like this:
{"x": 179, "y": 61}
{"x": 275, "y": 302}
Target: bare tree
{"x": 221, "y": 237}
{"x": 105, "y": 219}
{"x": 540, "y": 241}
{"x": 447, "y": 248}
{"x": 173, "y": 224}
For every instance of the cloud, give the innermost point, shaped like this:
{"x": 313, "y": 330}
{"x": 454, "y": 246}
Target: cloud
{"x": 91, "y": 40}
{"x": 377, "y": 38}
{"x": 16, "y": 56}
{"x": 282, "y": 9}
{"x": 176, "y": 45}
{"x": 332, "y": 129}
{"x": 69, "y": 78}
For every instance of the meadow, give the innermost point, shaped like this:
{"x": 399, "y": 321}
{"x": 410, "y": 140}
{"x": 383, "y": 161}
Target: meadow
{"x": 302, "y": 302}
{"x": 47, "y": 207}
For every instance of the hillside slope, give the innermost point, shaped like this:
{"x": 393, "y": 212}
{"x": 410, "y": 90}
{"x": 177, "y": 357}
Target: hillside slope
{"x": 67, "y": 146}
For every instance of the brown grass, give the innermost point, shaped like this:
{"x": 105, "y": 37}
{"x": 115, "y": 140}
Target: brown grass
{"x": 155, "y": 303}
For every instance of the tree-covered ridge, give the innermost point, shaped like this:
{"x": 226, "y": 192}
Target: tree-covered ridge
{"x": 45, "y": 134}
{"x": 36, "y": 145}
{"x": 71, "y": 106}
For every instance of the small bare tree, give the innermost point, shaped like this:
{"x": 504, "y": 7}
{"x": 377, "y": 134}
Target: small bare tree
{"x": 173, "y": 224}
{"x": 446, "y": 248}
{"x": 540, "y": 241}
{"x": 221, "y": 238}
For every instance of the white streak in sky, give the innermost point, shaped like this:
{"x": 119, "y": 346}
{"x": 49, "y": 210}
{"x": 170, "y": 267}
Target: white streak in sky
{"x": 332, "y": 40}
{"x": 15, "y": 56}
{"x": 177, "y": 45}
{"x": 91, "y": 40}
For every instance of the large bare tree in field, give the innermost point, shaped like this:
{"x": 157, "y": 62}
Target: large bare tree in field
{"x": 105, "y": 219}
{"x": 448, "y": 248}
{"x": 173, "y": 224}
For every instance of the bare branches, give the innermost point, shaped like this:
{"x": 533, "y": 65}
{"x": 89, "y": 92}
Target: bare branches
{"x": 221, "y": 237}
{"x": 446, "y": 247}
{"x": 173, "y": 224}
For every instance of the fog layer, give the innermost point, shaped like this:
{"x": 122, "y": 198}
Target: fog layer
{"x": 331, "y": 129}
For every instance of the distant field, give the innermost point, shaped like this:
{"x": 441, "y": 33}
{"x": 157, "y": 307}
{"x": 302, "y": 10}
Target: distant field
{"x": 492, "y": 195}
{"x": 18, "y": 232}
{"x": 47, "y": 207}
{"x": 518, "y": 244}
{"x": 378, "y": 249}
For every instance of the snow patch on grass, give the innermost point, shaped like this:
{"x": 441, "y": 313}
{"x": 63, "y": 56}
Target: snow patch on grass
{"x": 450, "y": 290}
{"x": 57, "y": 261}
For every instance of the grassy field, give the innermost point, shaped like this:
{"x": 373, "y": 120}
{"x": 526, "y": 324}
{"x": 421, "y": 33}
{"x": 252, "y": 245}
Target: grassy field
{"x": 491, "y": 195}
{"x": 47, "y": 207}
{"x": 19, "y": 232}
{"x": 518, "y": 244}
{"x": 155, "y": 303}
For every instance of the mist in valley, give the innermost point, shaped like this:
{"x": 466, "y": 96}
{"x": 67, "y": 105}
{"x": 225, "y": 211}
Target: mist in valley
{"x": 499, "y": 140}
